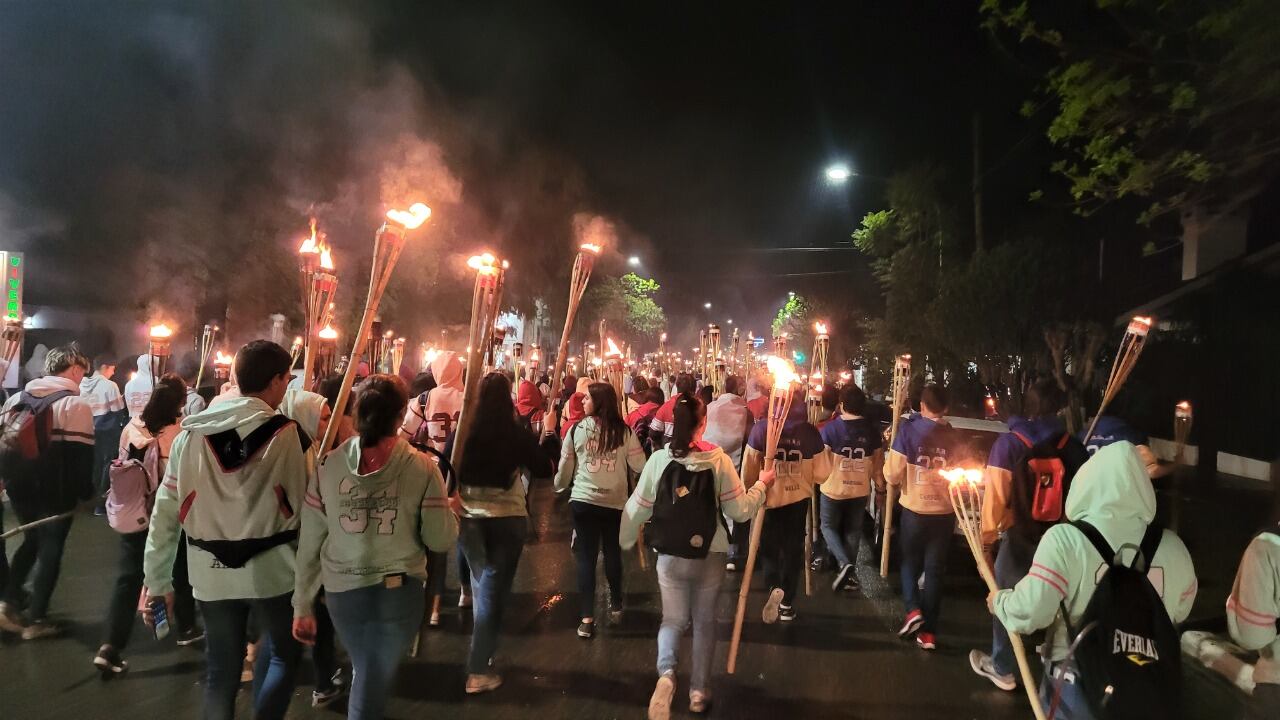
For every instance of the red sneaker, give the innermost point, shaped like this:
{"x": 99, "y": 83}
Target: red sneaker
{"x": 927, "y": 641}
{"x": 913, "y": 622}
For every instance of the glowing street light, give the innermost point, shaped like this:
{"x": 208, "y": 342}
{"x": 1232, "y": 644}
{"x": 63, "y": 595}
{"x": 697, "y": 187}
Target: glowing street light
{"x": 837, "y": 174}
{"x": 706, "y": 305}
{"x": 634, "y": 261}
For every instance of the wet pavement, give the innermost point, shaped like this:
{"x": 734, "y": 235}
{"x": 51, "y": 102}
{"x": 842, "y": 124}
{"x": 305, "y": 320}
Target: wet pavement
{"x": 839, "y": 659}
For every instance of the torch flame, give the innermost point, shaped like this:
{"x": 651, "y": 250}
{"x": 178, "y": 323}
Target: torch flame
{"x": 326, "y": 259}
{"x": 1183, "y": 409}
{"x": 591, "y": 248}
{"x": 955, "y": 476}
{"x": 485, "y": 264}
{"x": 533, "y": 356}
{"x": 297, "y": 341}
{"x": 410, "y": 219}
{"x": 328, "y": 333}
{"x": 221, "y": 358}
{"x": 613, "y": 348}
{"x": 783, "y": 371}
{"x": 161, "y": 331}
{"x": 663, "y": 338}
{"x": 597, "y": 361}
{"x": 432, "y": 354}
{"x": 820, "y": 327}
{"x": 1140, "y": 325}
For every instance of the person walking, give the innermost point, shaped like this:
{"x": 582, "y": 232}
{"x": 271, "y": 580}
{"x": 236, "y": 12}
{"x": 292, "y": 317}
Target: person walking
{"x": 138, "y": 390}
{"x": 236, "y": 477}
{"x": 729, "y": 422}
{"x": 1112, "y": 500}
{"x": 494, "y": 516}
{"x": 595, "y": 467}
{"x": 1036, "y": 453}
{"x": 857, "y": 458}
{"x": 151, "y": 432}
{"x": 109, "y": 417}
{"x": 801, "y": 463}
{"x": 688, "y": 472}
{"x": 925, "y": 444}
{"x": 375, "y": 509}
{"x": 52, "y": 483}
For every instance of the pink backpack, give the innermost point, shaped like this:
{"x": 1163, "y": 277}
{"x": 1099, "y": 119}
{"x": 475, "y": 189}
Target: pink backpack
{"x": 134, "y": 482}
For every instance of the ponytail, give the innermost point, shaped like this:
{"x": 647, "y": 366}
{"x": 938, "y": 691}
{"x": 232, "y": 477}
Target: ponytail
{"x": 689, "y": 412}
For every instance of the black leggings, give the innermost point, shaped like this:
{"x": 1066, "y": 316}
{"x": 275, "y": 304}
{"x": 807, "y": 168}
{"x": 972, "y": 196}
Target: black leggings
{"x": 594, "y": 526}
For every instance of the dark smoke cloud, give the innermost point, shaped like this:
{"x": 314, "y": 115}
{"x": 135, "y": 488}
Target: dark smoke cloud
{"x": 164, "y": 158}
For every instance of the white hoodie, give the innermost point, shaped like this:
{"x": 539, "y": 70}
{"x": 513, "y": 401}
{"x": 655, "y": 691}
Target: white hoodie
{"x": 219, "y": 499}
{"x": 138, "y": 390}
{"x": 444, "y": 403}
{"x": 102, "y": 395}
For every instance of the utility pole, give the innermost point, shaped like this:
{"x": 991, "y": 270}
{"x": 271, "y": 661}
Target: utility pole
{"x": 977, "y": 182}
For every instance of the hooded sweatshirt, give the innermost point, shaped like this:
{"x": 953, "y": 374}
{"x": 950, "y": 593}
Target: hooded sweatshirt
{"x": 1112, "y": 493}
{"x": 105, "y": 402}
{"x": 1254, "y": 605}
{"x": 222, "y": 499}
{"x": 853, "y": 443}
{"x": 135, "y": 434}
{"x": 359, "y": 528}
{"x": 529, "y": 402}
{"x": 728, "y": 423}
{"x": 736, "y": 502}
{"x": 801, "y": 461}
{"x": 597, "y": 479}
{"x": 138, "y": 390}
{"x": 1007, "y": 453}
{"x": 921, "y": 448}
{"x": 66, "y": 467}
{"x": 443, "y": 405}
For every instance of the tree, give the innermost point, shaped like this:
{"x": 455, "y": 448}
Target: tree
{"x": 626, "y": 305}
{"x": 1173, "y": 103}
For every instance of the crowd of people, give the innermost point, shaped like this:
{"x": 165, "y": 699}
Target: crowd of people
{"x": 237, "y": 532}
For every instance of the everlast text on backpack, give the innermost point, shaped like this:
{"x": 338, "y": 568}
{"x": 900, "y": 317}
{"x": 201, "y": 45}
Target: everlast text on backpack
{"x": 686, "y": 512}
{"x": 1127, "y": 657}
{"x": 1041, "y": 481}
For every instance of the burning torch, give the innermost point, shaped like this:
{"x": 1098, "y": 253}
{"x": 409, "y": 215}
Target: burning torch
{"x": 158, "y": 346}
{"x": 583, "y": 262}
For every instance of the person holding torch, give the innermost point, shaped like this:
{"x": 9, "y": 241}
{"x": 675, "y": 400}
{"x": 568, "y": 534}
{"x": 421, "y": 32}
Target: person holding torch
{"x": 801, "y": 462}
{"x": 925, "y": 444}
{"x": 682, "y": 491}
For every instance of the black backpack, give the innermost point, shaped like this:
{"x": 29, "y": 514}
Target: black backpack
{"x": 1129, "y": 659}
{"x": 1041, "y": 481}
{"x": 686, "y": 512}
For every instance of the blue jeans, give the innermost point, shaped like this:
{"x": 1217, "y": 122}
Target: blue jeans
{"x": 226, "y": 623}
{"x": 1072, "y": 704}
{"x": 926, "y": 540}
{"x": 377, "y": 625}
{"x": 1013, "y": 562}
{"x": 690, "y": 589}
{"x": 841, "y": 522}
{"x": 40, "y": 557}
{"x": 492, "y": 547}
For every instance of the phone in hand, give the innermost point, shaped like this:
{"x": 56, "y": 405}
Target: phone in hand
{"x": 160, "y": 619}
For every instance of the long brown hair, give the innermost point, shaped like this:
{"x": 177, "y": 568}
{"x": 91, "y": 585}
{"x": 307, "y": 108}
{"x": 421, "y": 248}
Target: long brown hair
{"x": 689, "y": 412}
{"x": 611, "y": 429}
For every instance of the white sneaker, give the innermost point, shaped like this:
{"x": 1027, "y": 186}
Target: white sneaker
{"x": 660, "y": 701}
{"x": 772, "y": 606}
{"x": 982, "y": 665}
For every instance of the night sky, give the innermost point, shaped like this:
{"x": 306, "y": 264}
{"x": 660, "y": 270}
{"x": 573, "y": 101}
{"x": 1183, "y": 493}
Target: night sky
{"x": 700, "y": 129}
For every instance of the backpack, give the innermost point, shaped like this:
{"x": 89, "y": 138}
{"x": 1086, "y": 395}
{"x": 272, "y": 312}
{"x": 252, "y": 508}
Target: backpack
{"x": 1041, "y": 481}
{"x": 422, "y": 435}
{"x": 1128, "y": 659}
{"x": 26, "y": 435}
{"x": 686, "y": 512}
{"x": 132, "y": 492}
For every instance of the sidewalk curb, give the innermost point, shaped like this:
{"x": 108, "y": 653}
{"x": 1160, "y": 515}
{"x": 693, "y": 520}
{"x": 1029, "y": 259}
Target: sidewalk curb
{"x": 1220, "y": 656}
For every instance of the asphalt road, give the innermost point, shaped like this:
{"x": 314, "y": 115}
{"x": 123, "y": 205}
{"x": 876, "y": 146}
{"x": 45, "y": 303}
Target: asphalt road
{"x": 839, "y": 659}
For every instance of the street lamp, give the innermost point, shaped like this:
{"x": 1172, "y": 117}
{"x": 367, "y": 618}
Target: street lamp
{"x": 634, "y": 261}
{"x": 729, "y": 321}
{"x": 706, "y": 305}
{"x": 837, "y": 174}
